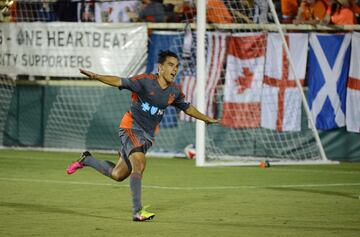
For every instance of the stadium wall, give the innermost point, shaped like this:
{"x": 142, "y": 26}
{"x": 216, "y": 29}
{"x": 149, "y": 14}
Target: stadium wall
{"x": 31, "y": 102}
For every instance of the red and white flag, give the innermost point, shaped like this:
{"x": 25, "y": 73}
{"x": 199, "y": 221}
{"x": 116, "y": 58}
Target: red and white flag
{"x": 243, "y": 80}
{"x": 281, "y": 99}
{"x": 215, "y": 59}
{"x": 353, "y": 87}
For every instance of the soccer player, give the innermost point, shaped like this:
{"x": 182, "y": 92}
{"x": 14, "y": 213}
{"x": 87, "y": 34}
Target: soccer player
{"x": 151, "y": 94}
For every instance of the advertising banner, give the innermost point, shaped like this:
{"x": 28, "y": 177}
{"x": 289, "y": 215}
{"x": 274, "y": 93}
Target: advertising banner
{"x": 60, "y": 49}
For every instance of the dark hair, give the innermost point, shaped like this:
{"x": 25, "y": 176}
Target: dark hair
{"x": 164, "y": 54}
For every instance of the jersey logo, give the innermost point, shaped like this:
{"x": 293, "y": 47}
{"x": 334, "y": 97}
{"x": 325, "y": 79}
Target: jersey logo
{"x": 151, "y": 109}
{"x": 145, "y": 107}
{"x": 171, "y": 98}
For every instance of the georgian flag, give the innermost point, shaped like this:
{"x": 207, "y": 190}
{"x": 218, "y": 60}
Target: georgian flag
{"x": 281, "y": 98}
{"x": 353, "y": 87}
{"x": 243, "y": 80}
{"x": 329, "y": 60}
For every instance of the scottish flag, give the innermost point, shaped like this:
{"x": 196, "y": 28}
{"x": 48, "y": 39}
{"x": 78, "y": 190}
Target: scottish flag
{"x": 329, "y": 60}
{"x": 162, "y": 41}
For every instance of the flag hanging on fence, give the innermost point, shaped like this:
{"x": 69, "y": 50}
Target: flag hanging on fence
{"x": 215, "y": 59}
{"x": 161, "y": 41}
{"x": 188, "y": 83}
{"x": 329, "y": 60}
{"x": 243, "y": 80}
{"x": 353, "y": 87}
{"x": 188, "y": 86}
{"x": 281, "y": 98}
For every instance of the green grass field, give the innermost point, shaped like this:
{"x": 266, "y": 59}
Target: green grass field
{"x": 38, "y": 198}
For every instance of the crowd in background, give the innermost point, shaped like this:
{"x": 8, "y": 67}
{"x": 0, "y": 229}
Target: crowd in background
{"x": 336, "y": 12}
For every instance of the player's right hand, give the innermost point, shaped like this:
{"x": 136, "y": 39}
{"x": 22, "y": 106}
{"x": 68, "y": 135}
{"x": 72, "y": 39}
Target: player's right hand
{"x": 88, "y": 73}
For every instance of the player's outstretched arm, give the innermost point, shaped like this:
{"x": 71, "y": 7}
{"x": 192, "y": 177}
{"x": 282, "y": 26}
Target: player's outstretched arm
{"x": 193, "y": 112}
{"x": 110, "y": 80}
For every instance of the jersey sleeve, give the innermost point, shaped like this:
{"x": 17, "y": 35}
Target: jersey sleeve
{"x": 130, "y": 84}
{"x": 180, "y": 102}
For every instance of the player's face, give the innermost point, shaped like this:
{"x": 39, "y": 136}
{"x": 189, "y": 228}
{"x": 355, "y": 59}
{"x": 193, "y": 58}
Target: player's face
{"x": 169, "y": 69}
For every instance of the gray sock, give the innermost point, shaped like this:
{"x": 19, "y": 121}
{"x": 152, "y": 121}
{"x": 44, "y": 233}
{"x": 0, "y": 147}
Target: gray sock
{"x": 103, "y": 166}
{"x": 135, "y": 187}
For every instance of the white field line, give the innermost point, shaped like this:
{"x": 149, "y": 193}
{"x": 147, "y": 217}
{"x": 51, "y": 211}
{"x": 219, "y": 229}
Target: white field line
{"x": 62, "y": 182}
{"x": 282, "y": 169}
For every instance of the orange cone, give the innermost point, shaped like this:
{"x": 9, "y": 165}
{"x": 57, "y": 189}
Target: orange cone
{"x": 262, "y": 165}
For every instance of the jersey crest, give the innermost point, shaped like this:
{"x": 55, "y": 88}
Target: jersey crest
{"x": 171, "y": 98}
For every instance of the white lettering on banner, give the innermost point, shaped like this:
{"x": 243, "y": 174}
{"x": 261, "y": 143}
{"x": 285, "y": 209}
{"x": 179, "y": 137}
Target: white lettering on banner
{"x": 63, "y": 38}
{"x": 8, "y": 59}
{"x": 59, "y": 49}
{"x": 58, "y": 61}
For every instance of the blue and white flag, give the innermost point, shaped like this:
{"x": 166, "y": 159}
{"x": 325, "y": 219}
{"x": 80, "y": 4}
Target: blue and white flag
{"x": 329, "y": 60}
{"x": 162, "y": 41}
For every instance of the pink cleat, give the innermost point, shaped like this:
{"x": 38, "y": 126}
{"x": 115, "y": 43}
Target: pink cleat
{"x": 73, "y": 167}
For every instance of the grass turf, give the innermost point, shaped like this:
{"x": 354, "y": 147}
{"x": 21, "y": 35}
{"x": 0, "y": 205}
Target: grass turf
{"x": 38, "y": 198}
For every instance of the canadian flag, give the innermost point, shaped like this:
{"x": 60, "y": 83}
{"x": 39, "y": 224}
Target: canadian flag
{"x": 281, "y": 99}
{"x": 243, "y": 80}
{"x": 353, "y": 87}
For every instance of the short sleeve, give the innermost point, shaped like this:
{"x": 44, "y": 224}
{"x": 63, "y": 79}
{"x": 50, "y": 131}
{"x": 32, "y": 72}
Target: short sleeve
{"x": 130, "y": 84}
{"x": 180, "y": 102}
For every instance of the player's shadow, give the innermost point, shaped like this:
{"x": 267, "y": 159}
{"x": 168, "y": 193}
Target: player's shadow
{"x": 323, "y": 192}
{"x": 239, "y": 223}
{"x": 47, "y": 209}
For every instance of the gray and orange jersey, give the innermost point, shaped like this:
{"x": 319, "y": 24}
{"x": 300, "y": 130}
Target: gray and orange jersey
{"x": 149, "y": 101}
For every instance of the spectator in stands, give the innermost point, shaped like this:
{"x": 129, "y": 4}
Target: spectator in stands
{"x": 277, "y": 5}
{"x": 66, "y": 10}
{"x": 217, "y": 12}
{"x": 289, "y": 9}
{"x": 189, "y": 10}
{"x": 46, "y": 12}
{"x": 86, "y": 11}
{"x": 7, "y": 11}
{"x": 311, "y": 12}
{"x": 151, "y": 11}
{"x": 174, "y": 10}
{"x": 261, "y": 11}
{"x": 340, "y": 12}
{"x": 115, "y": 11}
{"x": 241, "y": 10}
{"x": 249, "y": 11}
{"x": 355, "y": 8}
